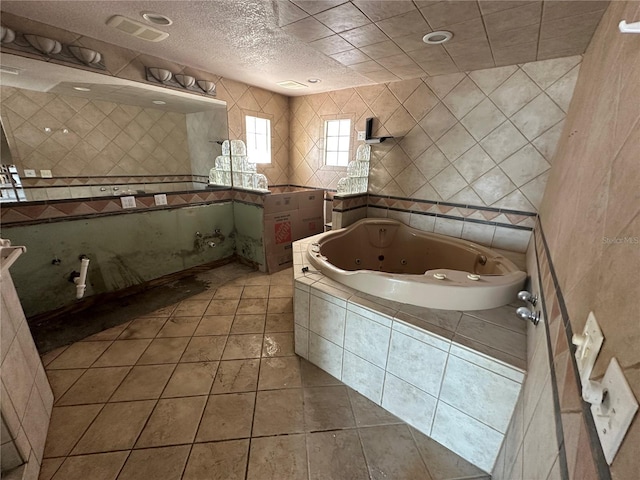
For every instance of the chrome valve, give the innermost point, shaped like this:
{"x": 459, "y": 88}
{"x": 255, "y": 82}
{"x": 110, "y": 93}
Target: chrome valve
{"x": 528, "y": 297}
{"x": 525, "y": 314}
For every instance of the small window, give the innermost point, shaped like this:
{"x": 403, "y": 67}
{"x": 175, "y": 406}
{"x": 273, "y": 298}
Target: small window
{"x": 258, "y": 132}
{"x": 337, "y": 135}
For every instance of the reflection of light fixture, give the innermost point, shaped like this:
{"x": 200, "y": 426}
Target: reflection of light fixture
{"x": 7, "y": 35}
{"x": 82, "y": 89}
{"x": 207, "y": 86}
{"x": 44, "y": 45}
{"x": 159, "y": 102}
{"x": 47, "y": 129}
{"x": 314, "y": 80}
{"x": 65, "y": 130}
{"x": 85, "y": 55}
{"x": 156, "y": 18}
{"x": 160, "y": 74}
{"x": 436, "y": 38}
{"x": 185, "y": 80}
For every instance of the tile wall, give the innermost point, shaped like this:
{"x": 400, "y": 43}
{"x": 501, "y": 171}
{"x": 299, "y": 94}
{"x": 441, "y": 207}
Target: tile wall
{"x": 27, "y": 398}
{"x": 588, "y": 257}
{"x": 483, "y": 138}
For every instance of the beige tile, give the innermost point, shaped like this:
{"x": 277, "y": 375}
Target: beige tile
{"x": 162, "y": 312}
{"x": 179, "y": 327}
{"x": 242, "y": 346}
{"x": 280, "y": 305}
{"x": 278, "y": 412}
{"x": 474, "y": 163}
{"x": 547, "y": 72}
{"x": 49, "y": 467}
{"x": 191, "y": 308}
{"x": 537, "y": 116}
{"x": 278, "y": 345}
{"x": 278, "y": 458}
{"x": 103, "y": 466}
{"x": 147, "y": 327}
{"x": 190, "y": 379}
{"x": 308, "y": 29}
{"x": 327, "y": 408}
{"x": 166, "y": 463}
{"x": 218, "y": 461}
{"x": 442, "y": 462}
{"x": 248, "y": 324}
{"x": 279, "y": 322}
{"x": 143, "y": 383}
{"x": 484, "y": 118}
{"x": 115, "y": 428}
{"x": 524, "y": 165}
{"x": 95, "y": 386}
{"x": 313, "y": 376}
{"x": 512, "y": 18}
{"x": 164, "y": 350}
{"x": 448, "y": 182}
{"x": 236, "y": 376}
{"x": 256, "y": 291}
{"x": 455, "y": 142}
{"x": 79, "y": 355}
{"x": 491, "y": 78}
{"x": 515, "y": 93}
{"x": 562, "y": 91}
{"x": 227, "y": 417}
{"x": 214, "y": 325}
{"x": 439, "y": 14}
{"x": 49, "y": 357}
{"x": 336, "y": 455}
{"x": 392, "y": 453}
{"x": 493, "y": 185}
{"x": 494, "y": 336}
{"x": 280, "y": 372}
{"x": 109, "y": 333}
{"x": 363, "y": 36}
{"x": 503, "y": 141}
{"x": 367, "y": 413}
{"x": 204, "y": 349}
{"x": 228, "y": 292}
{"x": 172, "y": 422}
{"x": 66, "y": 426}
{"x": 281, "y": 291}
{"x": 252, "y": 306}
{"x": 343, "y": 17}
{"x": 222, "y": 306}
{"x": 61, "y": 380}
{"x": 122, "y": 352}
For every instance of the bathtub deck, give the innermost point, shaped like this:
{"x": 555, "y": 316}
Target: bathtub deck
{"x": 452, "y": 375}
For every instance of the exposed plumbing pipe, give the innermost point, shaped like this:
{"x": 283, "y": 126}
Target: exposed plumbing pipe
{"x": 80, "y": 279}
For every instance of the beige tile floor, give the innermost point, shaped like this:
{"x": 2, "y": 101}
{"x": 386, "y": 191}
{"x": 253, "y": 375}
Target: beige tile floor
{"x": 210, "y": 388}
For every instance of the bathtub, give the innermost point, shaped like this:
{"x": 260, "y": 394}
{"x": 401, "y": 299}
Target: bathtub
{"x": 388, "y": 259}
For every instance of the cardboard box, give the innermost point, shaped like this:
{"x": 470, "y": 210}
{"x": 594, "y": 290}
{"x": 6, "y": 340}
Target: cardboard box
{"x": 278, "y": 229}
{"x": 310, "y": 199}
{"x": 307, "y": 222}
{"x": 280, "y": 203}
{"x": 280, "y": 258}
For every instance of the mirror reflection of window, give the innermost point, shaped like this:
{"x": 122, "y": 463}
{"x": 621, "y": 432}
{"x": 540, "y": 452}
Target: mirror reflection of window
{"x": 337, "y": 135}
{"x": 258, "y": 133}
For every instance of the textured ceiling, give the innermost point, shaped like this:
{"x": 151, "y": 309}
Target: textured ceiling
{"x": 344, "y": 43}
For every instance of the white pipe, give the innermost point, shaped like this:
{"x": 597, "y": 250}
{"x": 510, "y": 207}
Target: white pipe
{"x": 81, "y": 281}
{"x": 629, "y": 27}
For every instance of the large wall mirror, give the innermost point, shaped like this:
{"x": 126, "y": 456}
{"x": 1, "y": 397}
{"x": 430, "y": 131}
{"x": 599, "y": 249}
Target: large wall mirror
{"x": 71, "y": 133}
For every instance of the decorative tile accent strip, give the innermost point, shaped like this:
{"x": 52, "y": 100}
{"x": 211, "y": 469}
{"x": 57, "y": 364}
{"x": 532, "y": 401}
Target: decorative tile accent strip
{"x": 569, "y": 406}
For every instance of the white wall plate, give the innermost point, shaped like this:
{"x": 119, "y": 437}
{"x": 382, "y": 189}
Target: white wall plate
{"x": 128, "y": 202}
{"x": 160, "y": 199}
{"x": 614, "y": 415}
{"x": 588, "y": 346}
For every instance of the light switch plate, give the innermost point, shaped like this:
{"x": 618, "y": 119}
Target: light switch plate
{"x": 128, "y": 202}
{"x": 160, "y": 199}
{"x": 588, "y": 346}
{"x": 46, "y": 174}
{"x": 361, "y": 135}
{"x": 29, "y": 173}
{"x": 614, "y": 415}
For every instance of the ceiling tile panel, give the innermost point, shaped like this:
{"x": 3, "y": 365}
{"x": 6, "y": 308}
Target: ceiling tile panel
{"x": 556, "y": 10}
{"x": 316, "y": 6}
{"x": 518, "y": 36}
{"x": 342, "y": 18}
{"x": 308, "y": 29}
{"x": 491, "y": 6}
{"x": 513, "y": 18}
{"x": 381, "y": 50}
{"x": 350, "y": 57}
{"x": 526, "y": 52}
{"x": 331, "y": 45}
{"x": 402, "y": 25}
{"x": 363, "y": 36}
{"x": 449, "y": 12}
{"x": 411, "y": 43}
{"x": 382, "y": 9}
{"x": 287, "y": 12}
{"x": 576, "y": 26}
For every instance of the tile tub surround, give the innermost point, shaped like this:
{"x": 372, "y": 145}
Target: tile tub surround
{"x": 431, "y": 368}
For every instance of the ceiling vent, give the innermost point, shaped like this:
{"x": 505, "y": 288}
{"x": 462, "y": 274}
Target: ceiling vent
{"x": 137, "y": 29}
{"x": 292, "y": 85}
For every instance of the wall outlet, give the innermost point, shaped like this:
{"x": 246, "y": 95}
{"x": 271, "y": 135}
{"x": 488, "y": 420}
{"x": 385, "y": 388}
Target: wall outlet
{"x": 128, "y": 202}
{"x": 361, "y": 136}
{"x": 46, "y": 174}
{"x": 29, "y": 173}
{"x": 160, "y": 199}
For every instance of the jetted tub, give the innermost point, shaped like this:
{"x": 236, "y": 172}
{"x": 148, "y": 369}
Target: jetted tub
{"x": 388, "y": 259}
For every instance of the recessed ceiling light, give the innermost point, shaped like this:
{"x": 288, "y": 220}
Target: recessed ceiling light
{"x": 292, "y": 85}
{"x": 82, "y": 89}
{"x": 156, "y": 18}
{"x": 11, "y": 70}
{"x": 159, "y": 102}
{"x": 436, "y": 38}
{"x": 314, "y": 80}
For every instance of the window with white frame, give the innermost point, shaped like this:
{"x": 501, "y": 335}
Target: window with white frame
{"x": 337, "y": 135}
{"x": 258, "y": 132}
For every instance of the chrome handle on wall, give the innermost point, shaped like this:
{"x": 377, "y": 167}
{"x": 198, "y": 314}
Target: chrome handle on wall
{"x": 528, "y": 297}
{"x": 525, "y": 314}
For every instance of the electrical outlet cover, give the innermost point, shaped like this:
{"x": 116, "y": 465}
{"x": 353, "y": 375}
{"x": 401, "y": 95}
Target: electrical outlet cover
{"x": 361, "y": 135}
{"x": 46, "y": 174}
{"x": 588, "y": 347}
{"x": 160, "y": 199}
{"x": 614, "y": 415}
{"x": 128, "y": 202}
{"x": 29, "y": 173}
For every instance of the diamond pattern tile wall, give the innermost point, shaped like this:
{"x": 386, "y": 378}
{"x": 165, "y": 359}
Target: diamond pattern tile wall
{"x": 482, "y": 138}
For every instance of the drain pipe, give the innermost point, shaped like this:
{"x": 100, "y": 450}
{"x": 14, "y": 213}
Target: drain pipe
{"x": 80, "y": 279}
